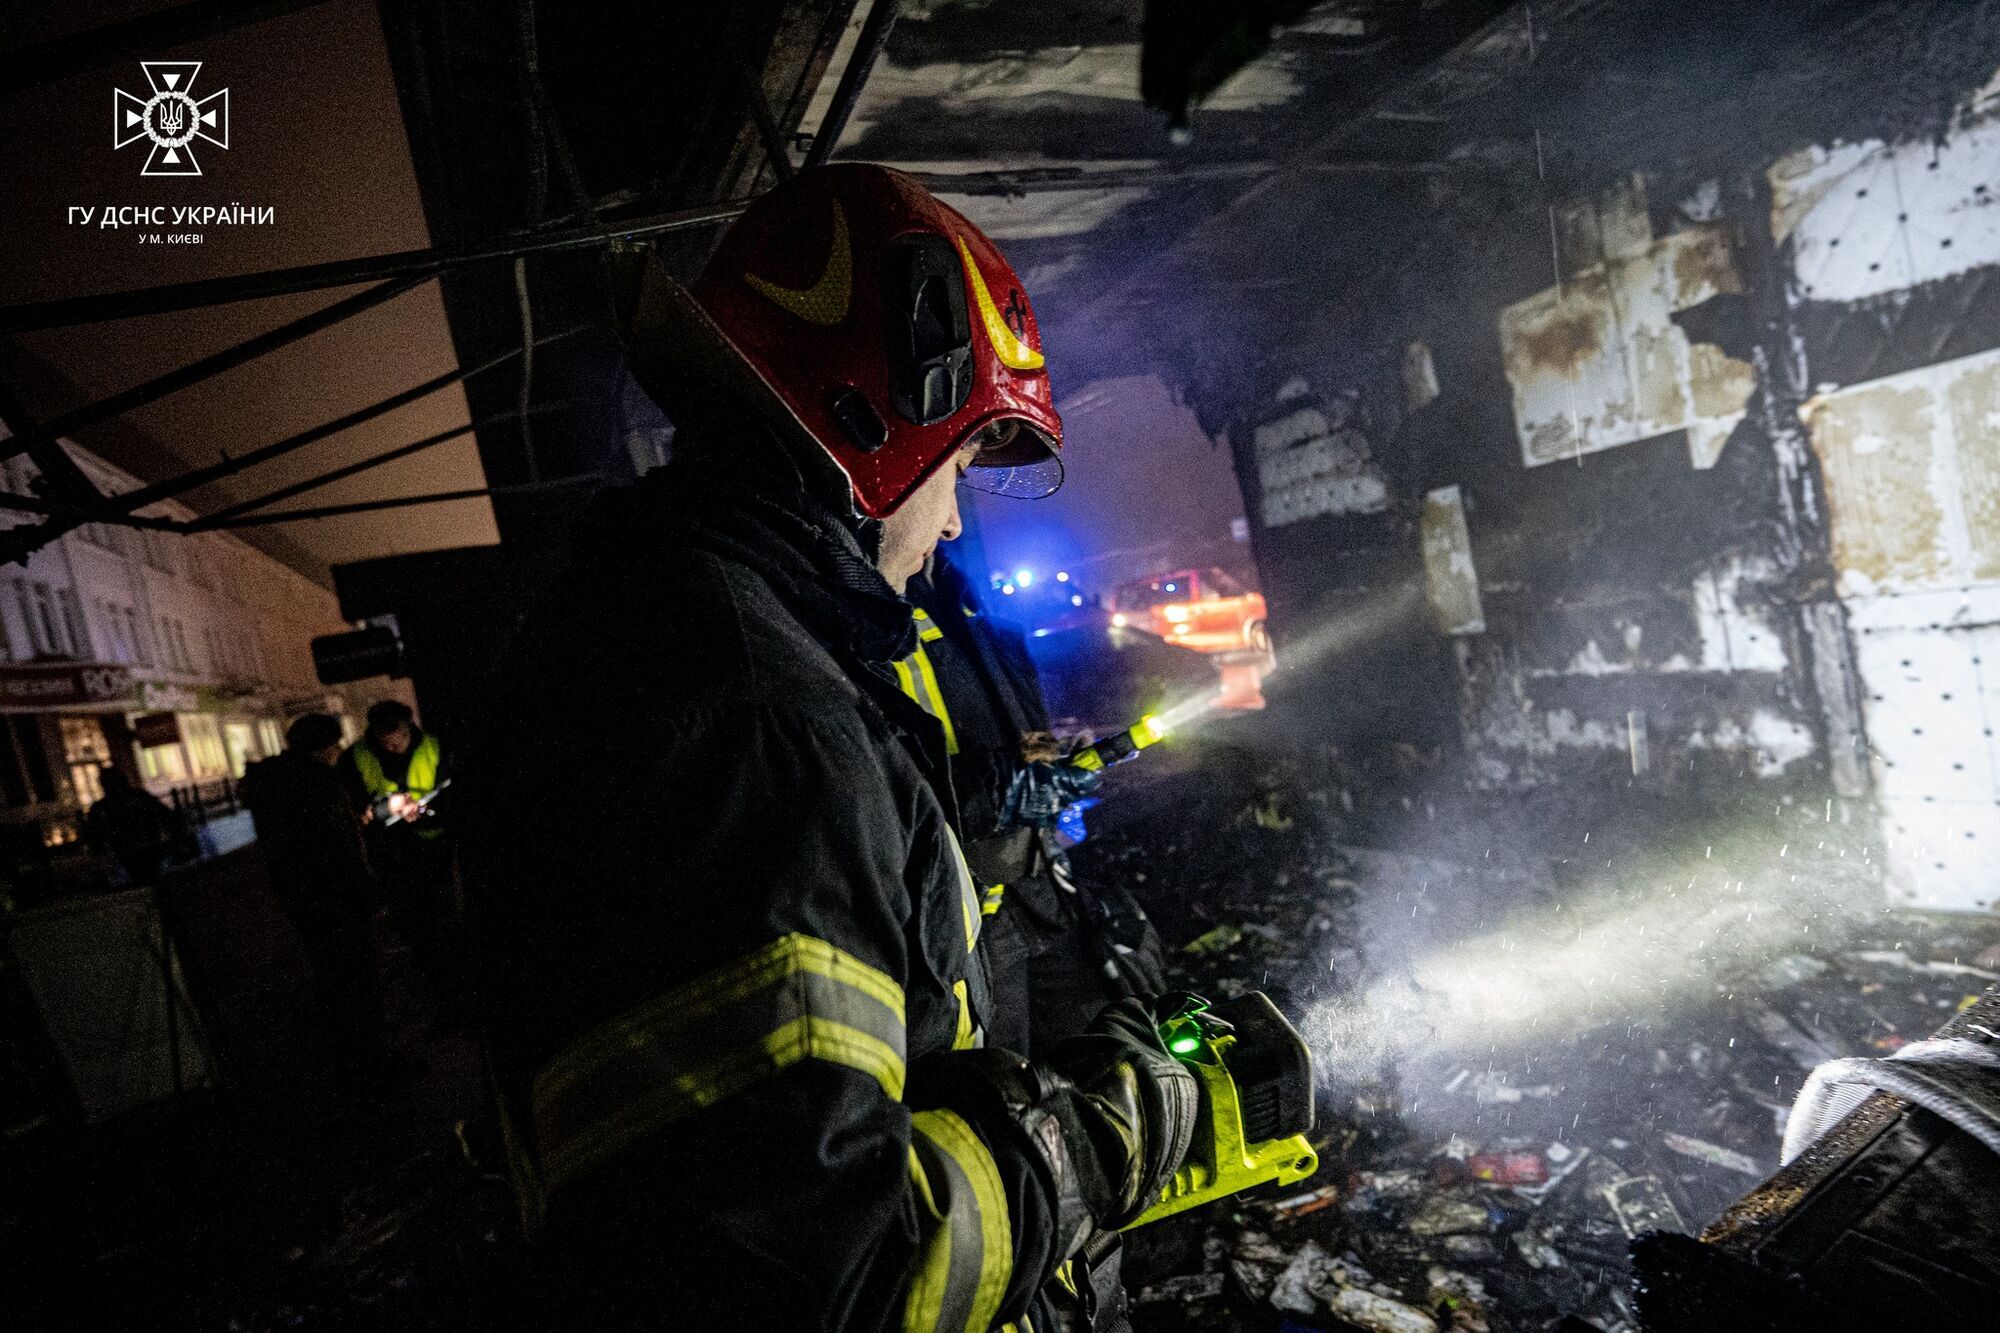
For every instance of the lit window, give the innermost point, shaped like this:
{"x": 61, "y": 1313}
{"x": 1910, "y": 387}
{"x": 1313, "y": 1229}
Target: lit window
{"x": 163, "y": 763}
{"x": 85, "y": 751}
{"x": 203, "y": 739}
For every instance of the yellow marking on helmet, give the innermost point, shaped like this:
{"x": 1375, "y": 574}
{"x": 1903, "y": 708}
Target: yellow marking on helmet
{"x": 825, "y": 302}
{"x": 1014, "y": 353}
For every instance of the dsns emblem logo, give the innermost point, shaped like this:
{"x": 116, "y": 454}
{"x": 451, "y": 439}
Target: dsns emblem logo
{"x": 171, "y": 118}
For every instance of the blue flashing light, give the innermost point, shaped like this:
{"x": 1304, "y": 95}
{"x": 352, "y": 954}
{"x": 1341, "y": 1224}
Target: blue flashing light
{"x": 1069, "y": 821}
{"x": 1024, "y": 577}
{"x": 1076, "y": 599}
{"x": 1007, "y": 588}
{"x": 1062, "y": 576}
{"x": 1173, "y": 587}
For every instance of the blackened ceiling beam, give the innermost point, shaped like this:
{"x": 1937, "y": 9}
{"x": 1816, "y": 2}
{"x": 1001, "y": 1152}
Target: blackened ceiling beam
{"x": 875, "y": 30}
{"x": 1028, "y": 180}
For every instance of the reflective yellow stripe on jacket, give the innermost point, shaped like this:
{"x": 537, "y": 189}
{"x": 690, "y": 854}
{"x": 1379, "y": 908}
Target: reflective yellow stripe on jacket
{"x": 798, "y": 998}
{"x": 967, "y": 1254}
{"x": 918, "y": 680}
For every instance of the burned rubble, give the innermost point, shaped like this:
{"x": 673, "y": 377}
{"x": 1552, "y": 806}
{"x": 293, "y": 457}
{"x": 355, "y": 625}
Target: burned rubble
{"x": 1493, "y": 1179}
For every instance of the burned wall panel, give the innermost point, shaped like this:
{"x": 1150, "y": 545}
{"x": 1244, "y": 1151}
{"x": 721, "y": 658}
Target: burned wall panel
{"x": 1912, "y": 464}
{"x": 1636, "y": 626}
{"x": 1597, "y": 360}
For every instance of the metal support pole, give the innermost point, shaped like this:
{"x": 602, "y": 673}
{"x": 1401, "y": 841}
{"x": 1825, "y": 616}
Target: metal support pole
{"x": 17, "y": 543}
{"x": 874, "y": 36}
{"x": 61, "y": 477}
{"x": 776, "y": 151}
{"x": 367, "y": 464}
{"x": 405, "y": 501}
{"x": 68, "y": 423}
{"x": 188, "y": 481}
{"x": 35, "y": 504}
{"x": 169, "y": 297}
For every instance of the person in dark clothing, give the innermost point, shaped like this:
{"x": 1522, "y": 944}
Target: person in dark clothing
{"x": 131, "y": 825}
{"x": 310, "y": 838}
{"x": 737, "y": 1025}
{"x": 1056, "y": 953}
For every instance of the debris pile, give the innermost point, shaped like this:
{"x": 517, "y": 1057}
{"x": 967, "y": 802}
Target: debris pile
{"x": 1497, "y": 1188}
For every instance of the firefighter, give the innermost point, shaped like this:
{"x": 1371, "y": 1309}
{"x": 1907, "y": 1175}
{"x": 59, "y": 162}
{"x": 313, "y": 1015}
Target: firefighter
{"x": 1056, "y": 952}
{"x": 736, "y": 1018}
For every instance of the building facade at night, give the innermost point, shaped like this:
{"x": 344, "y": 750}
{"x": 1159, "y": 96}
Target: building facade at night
{"x": 179, "y": 658}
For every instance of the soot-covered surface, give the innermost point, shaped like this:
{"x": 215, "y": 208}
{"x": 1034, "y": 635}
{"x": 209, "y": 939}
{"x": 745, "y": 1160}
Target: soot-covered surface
{"x": 1527, "y": 1053}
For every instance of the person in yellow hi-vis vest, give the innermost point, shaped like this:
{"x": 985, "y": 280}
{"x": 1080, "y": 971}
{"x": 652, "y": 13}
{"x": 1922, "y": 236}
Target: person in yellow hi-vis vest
{"x": 394, "y": 774}
{"x": 395, "y": 769}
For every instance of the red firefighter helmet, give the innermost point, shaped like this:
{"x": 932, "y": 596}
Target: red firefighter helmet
{"x": 849, "y": 304}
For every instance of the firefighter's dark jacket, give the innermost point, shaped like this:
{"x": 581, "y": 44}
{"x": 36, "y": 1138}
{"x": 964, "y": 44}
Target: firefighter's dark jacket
{"x": 723, "y": 915}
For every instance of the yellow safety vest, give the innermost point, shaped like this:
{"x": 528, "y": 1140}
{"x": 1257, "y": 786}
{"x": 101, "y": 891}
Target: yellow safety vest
{"x": 419, "y": 781}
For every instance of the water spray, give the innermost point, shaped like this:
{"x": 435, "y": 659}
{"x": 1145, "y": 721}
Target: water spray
{"x": 1668, "y": 936}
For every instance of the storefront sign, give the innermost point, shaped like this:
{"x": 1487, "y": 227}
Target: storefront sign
{"x": 156, "y": 729}
{"x": 52, "y": 687}
{"x": 161, "y": 697}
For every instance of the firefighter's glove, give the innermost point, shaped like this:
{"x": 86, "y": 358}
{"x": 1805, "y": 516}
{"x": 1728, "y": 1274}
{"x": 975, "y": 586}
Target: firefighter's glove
{"x": 1131, "y": 1102}
{"x": 1038, "y": 792}
{"x": 1107, "y": 1116}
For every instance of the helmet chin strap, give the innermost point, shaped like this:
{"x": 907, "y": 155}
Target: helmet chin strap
{"x": 868, "y": 535}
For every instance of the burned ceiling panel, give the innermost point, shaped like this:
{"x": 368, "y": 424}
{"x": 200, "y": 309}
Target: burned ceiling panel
{"x": 1619, "y": 87}
{"x": 1036, "y": 109}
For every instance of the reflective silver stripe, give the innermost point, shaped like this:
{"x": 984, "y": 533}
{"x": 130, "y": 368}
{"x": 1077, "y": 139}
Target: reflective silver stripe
{"x": 798, "y": 998}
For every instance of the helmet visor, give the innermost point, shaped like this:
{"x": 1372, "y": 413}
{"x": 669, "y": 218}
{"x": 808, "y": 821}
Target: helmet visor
{"x": 1020, "y": 462}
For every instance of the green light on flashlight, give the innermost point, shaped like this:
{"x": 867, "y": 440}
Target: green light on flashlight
{"x": 1185, "y": 1044}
